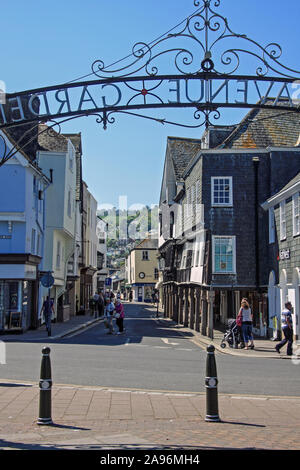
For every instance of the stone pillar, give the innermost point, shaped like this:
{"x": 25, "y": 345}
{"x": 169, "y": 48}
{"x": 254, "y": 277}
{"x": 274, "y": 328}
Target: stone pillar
{"x": 175, "y": 302}
{"x": 210, "y": 325}
{"x": 170, "y": 300}
{"x": 180, "y": 304}
{"x": 197, "y": 309}
{"x": 192, "y": 308}
{"x": 186, "y": 307}
{"x": 203, "y": 312}
{"x": 165, "y": 300}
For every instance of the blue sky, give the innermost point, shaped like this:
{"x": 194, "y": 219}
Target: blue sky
{"x": 56, "y": 42}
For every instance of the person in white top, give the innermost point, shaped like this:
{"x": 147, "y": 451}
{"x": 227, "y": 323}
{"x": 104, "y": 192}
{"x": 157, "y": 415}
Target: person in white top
{"x": 109, "y": 314}
{"x": 287, "y": 328}
{"x": 247, "y": 318}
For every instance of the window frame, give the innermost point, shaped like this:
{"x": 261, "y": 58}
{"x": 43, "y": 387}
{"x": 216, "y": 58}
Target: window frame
{"x": 296, "y": 214}
{"x": 222, "y": 204}
{"x": 271, "y": 225}
{"x": 33, "y": 241}
{"x": 282, "y": 217}
{"x": 218, "y": 237}
{"x": 58, "y": 254}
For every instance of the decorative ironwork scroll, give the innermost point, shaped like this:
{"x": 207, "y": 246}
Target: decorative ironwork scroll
{"x": 200, "y": 50}
{"x": 197, "y": 66}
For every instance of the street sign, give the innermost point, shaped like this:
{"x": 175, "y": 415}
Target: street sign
{"x": 47, "y": 280}
{"x": 108, "y": 281}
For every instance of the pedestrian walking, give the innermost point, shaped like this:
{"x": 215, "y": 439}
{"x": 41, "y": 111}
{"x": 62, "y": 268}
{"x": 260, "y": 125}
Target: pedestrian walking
{"x": 48, "y": 309}
{"x": 287, "y": 328}
{"x": 239, "y": 323}
{"x": 119, "y": 315}
{"x": 100, "y": 305}
{"x": 130, "y": 296}
{"x": 96, "y": 300}
{"x": 247, "y": 319}
{"x": 109, "y": 315}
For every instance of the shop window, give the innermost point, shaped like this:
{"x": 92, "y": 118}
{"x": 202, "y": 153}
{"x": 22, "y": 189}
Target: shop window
{"x": 10, "y": 304}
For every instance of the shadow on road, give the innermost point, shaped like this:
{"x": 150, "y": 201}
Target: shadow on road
{"x": 3, "y": 384}
{"x": 140, "y": 322}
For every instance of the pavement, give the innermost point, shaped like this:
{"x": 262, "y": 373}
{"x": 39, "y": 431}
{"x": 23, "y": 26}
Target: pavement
{"x": 101, "y": 418}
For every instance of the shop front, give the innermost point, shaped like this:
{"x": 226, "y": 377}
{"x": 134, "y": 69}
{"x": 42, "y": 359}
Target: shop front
{"x": 143, "y": 292}
{"x": 19, "y": 295}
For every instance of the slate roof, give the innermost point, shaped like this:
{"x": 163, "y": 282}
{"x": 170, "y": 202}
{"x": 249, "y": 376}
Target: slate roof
{"x": 25, "y": 135}
{"x": 262, "y": 128}
{"x": 50, "y": 140}
{"x": 182, "y": 151}
{"x": 291, "y": 183}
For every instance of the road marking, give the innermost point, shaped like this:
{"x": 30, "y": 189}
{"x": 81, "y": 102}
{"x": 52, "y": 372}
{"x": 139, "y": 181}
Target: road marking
{"x": 165, "y": 340}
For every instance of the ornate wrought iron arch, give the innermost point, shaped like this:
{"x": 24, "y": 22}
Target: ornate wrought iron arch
{"x": 191, "y": 67}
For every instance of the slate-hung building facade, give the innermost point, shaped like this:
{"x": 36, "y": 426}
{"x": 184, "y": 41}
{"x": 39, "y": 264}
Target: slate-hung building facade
{"x": 284, "y": 253}
{"x": 23, "y": 188}
{"x": 214, "y": 232}
{"x": 42, "y": 209}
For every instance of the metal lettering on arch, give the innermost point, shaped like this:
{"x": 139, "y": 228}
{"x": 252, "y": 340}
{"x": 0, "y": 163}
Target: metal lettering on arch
{"x": 205, "y": 91}
{"x": 198, "y": 66}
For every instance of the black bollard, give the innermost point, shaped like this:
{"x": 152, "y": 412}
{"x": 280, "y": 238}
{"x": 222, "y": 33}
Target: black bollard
{"x": 45, "y": 389}
{"x": 211, "y": 384}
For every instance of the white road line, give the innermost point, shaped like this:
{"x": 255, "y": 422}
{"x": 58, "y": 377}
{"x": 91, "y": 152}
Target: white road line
{"x": 165, "y": 340}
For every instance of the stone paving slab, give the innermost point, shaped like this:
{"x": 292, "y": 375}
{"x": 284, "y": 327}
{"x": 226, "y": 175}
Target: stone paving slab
{"x": 111, "y": 419}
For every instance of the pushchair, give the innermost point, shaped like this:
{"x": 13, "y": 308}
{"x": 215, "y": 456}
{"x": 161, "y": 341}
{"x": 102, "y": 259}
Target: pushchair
{"x": 232, "y": 335}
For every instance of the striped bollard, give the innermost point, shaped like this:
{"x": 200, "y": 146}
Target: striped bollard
{"x": 45, "y": 389}
{"x": 211, "y": 384}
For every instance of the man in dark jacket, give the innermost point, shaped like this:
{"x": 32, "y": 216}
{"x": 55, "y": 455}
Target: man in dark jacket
{"x": 100, "y": 305}
{"x": 287, "y": 328}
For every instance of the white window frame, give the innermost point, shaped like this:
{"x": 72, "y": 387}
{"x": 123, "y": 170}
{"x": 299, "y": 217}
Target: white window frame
{"x": 38, "y": 245}
{"x": 69, "y": 208}
{"x": 221, "y": 204}
{"x": 271, "y": 225}
{"x": 188, "y": 201}
{"x": 296, "y": 214}
{"x": 33, "y": 237}
{"x": 217, "y": 237}
{"x": 282, "y": 214}
{"x": 58, "y": 254}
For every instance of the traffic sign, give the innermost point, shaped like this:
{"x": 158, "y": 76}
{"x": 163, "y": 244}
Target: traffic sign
{"x": 108, "y": 281}
{"x": 47, "y": 280}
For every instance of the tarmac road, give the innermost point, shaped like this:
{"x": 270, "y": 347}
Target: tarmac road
{"x": 150, "y": 355}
